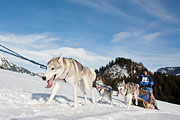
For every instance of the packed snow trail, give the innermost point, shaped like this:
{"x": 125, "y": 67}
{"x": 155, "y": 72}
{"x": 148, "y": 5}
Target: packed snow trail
{"x": 21, "y": 96}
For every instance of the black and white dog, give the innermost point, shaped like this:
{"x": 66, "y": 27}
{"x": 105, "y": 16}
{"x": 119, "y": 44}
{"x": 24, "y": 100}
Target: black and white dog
{"x": 129, "y": 91}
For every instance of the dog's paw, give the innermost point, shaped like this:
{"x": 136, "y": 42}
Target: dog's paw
{"x": 44, "y": 105}
{"x": 85, "y": 104}
{"x": 75, "y": 106}
{"x": 94, "y": 102}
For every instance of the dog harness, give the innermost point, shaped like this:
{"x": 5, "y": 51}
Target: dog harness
{"x": 82, "y": 67}
{"x": 99, "y": 86}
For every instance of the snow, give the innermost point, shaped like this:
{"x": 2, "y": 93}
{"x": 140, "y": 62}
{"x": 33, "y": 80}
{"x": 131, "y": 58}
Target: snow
{"x": 171, "y": 69}
{"x": 163, "y": 71}
{"x": 178, "y": 74}
{"x": 21, "y": 96}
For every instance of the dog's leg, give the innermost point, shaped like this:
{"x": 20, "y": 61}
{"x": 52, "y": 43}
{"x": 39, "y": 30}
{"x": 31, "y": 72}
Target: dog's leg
{"x": 130, "y": 100}
{"x": 102, "y": 95}
{"x": 136, "y": 98}
{"x": 55, "y": 89}
{"x": 101, "y": 99}
{"x": 125, "y": 100}
{"x": 75, "y": 95}
{"x": 88, "y": 86}
{"x": 136, "y": 101}
{"x": 110, "y": 97}
{"x": 82, "y": 88}
{"x": 92, "y": 95}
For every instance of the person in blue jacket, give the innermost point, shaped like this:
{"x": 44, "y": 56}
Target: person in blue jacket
{"x": 146, "y": 81}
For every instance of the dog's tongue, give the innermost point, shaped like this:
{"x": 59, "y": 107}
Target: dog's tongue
{"x": 50, "y": 82}
{"x": 118, "y": 92}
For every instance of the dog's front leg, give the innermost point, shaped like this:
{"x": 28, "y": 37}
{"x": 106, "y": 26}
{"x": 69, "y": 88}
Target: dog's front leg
{"x": 125, "y": 100}
{"x": 55, "y": 89}
{"x": 110, "y": 97}
{"x": 129, "y": 101}
{"x": 136, "y": 98}
{"x": 75, "y": 95}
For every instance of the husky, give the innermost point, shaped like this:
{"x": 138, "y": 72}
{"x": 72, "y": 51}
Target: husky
{"x": 103, "y": 90}
{"x": 129, "y": 91}
{"x": 72, "y": 72}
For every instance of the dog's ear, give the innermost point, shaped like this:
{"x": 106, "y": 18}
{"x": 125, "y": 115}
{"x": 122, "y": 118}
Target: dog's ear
{"x": 60, "y": 59}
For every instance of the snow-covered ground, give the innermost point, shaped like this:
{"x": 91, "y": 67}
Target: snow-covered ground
{"x": 21, "y": 96}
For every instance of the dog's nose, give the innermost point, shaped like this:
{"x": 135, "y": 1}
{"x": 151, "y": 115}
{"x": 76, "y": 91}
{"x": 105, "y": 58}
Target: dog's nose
{"x": 44, "y": 77}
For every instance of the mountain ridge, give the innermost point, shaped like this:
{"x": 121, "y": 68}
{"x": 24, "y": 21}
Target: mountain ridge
{"x": 170, "y": 70}
{"x": 6, "y": 63}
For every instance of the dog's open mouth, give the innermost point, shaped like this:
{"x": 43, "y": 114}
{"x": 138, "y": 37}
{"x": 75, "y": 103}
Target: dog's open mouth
{"x": 119, "y": 91}
{"x": 50, "y": 82}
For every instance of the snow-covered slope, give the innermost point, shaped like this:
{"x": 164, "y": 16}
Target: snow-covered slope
{"x": 21, "y": 96}
{"x": 5, "y": 63}
{"x": 117, "y": 71}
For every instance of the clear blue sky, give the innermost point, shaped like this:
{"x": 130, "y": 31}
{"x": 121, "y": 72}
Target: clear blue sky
{"x": 93, "y": 31}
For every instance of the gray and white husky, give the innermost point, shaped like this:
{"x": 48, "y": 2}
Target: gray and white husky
{"x": 103, "y": 90}
{"x": 129, "y": 91}
{"x": 72, "y": 72}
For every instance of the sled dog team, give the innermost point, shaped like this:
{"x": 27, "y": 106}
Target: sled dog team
{"x": 76, "y": 74}
{"x": 128, "y": 91}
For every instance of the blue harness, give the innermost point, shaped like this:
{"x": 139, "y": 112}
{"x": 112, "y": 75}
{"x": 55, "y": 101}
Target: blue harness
{"x": 104, "y": 86}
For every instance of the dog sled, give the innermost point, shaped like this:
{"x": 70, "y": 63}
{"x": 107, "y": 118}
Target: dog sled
{"x": 145, "y": 99}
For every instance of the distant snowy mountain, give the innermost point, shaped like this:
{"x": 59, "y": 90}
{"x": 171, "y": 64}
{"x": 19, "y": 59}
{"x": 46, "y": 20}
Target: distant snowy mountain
{"x": 170, "y": 70}
{"x": 5, "y": 63}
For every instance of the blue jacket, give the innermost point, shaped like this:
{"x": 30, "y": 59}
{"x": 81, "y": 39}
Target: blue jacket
{"x": 146, "y": 81}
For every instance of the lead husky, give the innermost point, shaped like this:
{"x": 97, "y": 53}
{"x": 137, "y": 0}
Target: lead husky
{"x": 104, "y": 90}
{"x": 73, "y": 73}
{"x": 129, "y": 91}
